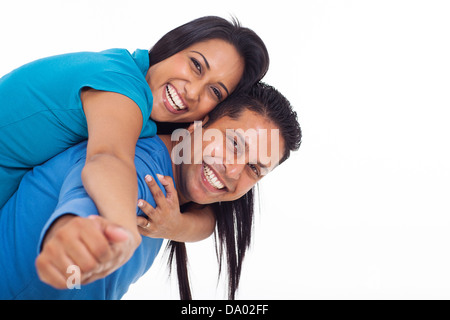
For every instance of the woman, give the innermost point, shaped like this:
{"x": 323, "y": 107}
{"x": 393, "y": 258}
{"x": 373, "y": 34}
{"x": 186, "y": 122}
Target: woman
{"x": 112, "y": 98}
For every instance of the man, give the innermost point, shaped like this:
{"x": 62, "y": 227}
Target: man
{"x": 51, "y": 214}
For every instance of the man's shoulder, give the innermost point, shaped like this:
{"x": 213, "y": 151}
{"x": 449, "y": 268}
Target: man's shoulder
{"x": 151, "y": 144}
{"x": 153, "y": 153}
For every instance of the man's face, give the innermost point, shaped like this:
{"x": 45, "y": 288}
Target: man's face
{"x": 231, "y": 156}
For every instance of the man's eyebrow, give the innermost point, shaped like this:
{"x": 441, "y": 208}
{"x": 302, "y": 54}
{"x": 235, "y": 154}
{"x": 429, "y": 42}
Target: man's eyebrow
{"x": 209, "y": 68}
{"x": 247, "y": 148}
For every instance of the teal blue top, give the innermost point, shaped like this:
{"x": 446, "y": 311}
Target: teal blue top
{"x": 41, "y": 113}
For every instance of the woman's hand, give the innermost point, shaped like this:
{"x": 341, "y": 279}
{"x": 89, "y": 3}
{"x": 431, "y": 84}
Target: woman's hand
{"x": 165, "y": 221}
{"x": 95, "y": 245}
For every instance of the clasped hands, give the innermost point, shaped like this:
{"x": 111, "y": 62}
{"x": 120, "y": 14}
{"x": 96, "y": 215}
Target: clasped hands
{"x": 97, "y": 246}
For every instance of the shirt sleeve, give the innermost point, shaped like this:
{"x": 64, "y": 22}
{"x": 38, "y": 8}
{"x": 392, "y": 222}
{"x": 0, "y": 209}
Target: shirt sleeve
{"x": 73, "y": 199}
{"x": 116, "y": 70}
{"x": 125, "y": 85}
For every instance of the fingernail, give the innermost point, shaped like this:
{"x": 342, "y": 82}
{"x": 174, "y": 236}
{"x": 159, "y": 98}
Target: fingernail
{"x": 140, "y": 203}
{"x": 160, "y": 176}
{"x": 148, "y": 178}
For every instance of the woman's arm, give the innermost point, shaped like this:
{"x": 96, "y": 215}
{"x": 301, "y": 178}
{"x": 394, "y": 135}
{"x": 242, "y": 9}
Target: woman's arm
{"x": 166, "y": 221}
{"x": 109, "y": 175}
{"x": 95, "y": 244}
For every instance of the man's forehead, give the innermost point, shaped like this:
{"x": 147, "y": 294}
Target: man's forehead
{"x": 244, "y": 119}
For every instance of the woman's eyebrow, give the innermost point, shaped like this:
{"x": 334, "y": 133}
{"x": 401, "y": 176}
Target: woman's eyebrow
{"x": 224, "y": 87}
{"x": 208, "y": 67}
{"x": 206, "y": 61}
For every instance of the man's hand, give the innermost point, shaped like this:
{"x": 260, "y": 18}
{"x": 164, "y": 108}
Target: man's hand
{"x": 97, "y": 246}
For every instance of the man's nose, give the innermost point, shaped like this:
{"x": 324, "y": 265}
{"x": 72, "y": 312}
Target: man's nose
{"x": 234, "y": 170}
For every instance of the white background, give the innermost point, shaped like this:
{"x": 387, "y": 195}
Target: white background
{"x": 362, "y": 210}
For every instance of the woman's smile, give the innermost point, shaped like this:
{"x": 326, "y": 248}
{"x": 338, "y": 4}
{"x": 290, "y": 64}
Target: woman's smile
{"x": 173, "y": 101}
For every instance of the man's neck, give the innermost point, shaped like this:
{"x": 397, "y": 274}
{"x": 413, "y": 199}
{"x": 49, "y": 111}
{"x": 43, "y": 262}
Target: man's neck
{"x": 166, "y": 138}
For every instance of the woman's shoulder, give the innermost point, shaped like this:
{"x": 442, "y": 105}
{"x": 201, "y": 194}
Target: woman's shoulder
{"x": 90, "y": 62}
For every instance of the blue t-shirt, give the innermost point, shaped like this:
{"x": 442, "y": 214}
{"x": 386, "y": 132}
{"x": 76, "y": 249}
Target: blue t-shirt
{"x": 52, "y": 190}
{"x": 41, "y": 113}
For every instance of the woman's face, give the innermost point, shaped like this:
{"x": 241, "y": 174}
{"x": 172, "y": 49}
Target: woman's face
{"x": 189, "y": 84}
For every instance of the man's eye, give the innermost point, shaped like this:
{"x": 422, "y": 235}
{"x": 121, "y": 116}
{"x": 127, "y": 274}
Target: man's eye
{"x": 233, "y": 145}
{"x": 254, "y": 169}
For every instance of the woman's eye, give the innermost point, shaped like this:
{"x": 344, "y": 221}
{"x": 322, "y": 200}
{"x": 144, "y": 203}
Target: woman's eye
{"x": 217, "y": 93}
{"x": 197, "y": 65}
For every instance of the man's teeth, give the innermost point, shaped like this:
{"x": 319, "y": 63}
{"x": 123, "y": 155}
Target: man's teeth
{"x": 173, "y": 98}
{"x": 211, "y": 177}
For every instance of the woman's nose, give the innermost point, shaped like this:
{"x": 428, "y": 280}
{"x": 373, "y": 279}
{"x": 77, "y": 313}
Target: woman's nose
{"x": 193, "y": 91}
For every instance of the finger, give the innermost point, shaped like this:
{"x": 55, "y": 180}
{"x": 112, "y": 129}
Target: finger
{"x": 51, "y": 270}
{"x": 83, "y": 258}
{"x": 156, "y": 191}
{"x": 50, "y": 274}
{"x": 145, "y": 227}
{"x": 94, "y": 247}
{"x": 143, "y": 222}
{"x": 97, "y": 276}
{"x": 116, "y": 234}
{"x": 113, "y": 232}
{"x": 146, "y": 207}
{"x": 168, "y": 184}
{"x": 63, "y": 250}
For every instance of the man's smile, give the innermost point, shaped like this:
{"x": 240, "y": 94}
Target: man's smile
{"x": 211, "y": 179}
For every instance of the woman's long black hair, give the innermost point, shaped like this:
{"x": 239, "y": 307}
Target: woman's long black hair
{"x": 249, "y": 45}
{"x": 234, "y": 219}
{"x": 246, "y": 41}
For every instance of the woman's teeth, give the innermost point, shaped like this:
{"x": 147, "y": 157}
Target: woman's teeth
{"x": 173, "y": 98}
{"x": 211, "y": 177}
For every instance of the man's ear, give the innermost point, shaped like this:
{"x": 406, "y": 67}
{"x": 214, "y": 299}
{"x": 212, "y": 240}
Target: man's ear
{"x": 197, "y": 123}
{"x": 205, "y": 120}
